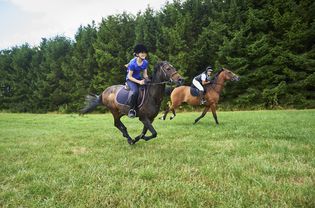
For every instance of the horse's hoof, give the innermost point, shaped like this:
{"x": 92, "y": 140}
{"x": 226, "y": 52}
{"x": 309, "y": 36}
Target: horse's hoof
{"x": 171, "y": 118}
{"x": 162, "y": 118}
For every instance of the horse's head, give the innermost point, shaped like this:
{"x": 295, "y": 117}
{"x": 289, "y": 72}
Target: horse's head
{"x": 228, "y": 75}
{"x": 166, "y": 72}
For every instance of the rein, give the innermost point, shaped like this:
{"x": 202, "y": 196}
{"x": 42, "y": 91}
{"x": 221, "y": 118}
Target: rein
{"x": 165, "y": 74}
{"x": 158, "y": 83}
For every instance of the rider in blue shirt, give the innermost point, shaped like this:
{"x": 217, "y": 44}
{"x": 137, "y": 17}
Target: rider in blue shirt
{"x": 134, "y": 79}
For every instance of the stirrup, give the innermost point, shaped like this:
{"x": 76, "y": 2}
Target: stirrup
{"x": 132, "y": 113}
{"x": 202, "y": 101}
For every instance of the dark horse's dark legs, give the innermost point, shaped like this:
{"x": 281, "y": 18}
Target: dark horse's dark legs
{"x": 148, "y": 126}
{"x": 203, "y": 114}
{"x": 123, "y": 129}
{"x": 144, "y": 131}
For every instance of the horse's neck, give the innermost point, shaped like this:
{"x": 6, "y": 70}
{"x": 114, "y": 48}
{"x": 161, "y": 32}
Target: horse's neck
{"x": 218, "y": 86}
{"x": 156, "y": 91}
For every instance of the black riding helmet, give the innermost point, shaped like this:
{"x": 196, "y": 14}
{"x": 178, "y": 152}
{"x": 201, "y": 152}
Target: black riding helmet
{"x": 140, "y": 48}
{"x": 209, "y": 68}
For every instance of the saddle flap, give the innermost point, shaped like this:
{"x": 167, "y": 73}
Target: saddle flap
{"x": 194, "y": 91}
{"x": 123, "y": 96}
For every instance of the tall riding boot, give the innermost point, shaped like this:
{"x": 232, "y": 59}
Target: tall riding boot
{"x": 202, "y": 97}
{"x": 133, "y": 103}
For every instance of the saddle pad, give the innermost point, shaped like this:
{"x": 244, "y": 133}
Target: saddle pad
{"x": 194, "y": 91}
{"x": 123, "y": 96}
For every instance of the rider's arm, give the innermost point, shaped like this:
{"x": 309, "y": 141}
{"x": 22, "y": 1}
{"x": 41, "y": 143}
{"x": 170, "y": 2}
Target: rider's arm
{"x": 203, "y": 79}
{"x": 140, "y": 82}
{"x": 145, "y": 74}
{"x": 204, "y": 82}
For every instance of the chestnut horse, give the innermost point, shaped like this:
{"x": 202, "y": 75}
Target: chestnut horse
{"x": 163, "y": 73}
{"x": 182, "y": 94}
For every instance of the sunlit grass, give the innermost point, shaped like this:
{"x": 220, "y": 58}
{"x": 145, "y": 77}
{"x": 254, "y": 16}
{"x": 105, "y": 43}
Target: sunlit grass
{"x": 252, "y": 159}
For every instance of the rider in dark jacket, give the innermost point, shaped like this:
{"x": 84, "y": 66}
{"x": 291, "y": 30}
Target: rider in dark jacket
{"x": 201, "y": 80}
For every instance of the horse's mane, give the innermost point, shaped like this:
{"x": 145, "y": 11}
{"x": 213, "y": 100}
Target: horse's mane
{"x": 215, "y": 78}
{"x": 156, "y": 68}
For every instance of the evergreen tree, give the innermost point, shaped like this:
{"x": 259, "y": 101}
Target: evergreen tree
{"x": 269, "y": 43}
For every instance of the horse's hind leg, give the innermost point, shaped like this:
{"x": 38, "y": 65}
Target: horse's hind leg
{"x": 169, "y": 108}
{"x": 174, "y": 113}
{"x": 123, "y": 129}
{"x": 165, "y": 113}
{"x": 203, "y": 114}
{"x": 173, "y": 107}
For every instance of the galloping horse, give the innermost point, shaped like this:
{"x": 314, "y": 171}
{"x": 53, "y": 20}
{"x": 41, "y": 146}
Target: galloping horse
{"x": 163, "y": 73}
{"x": 182, "y": 94}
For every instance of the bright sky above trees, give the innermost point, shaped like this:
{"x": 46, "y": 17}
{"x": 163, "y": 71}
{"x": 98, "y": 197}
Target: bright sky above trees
{"x": 30, "y": 20}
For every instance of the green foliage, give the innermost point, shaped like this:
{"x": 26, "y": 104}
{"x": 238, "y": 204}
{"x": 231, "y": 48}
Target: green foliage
{"x": 270, "y": 44}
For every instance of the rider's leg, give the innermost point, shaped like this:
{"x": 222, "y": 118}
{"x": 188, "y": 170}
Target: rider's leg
{"x": 133, "y": 98}
{"x": 201, "y": 91}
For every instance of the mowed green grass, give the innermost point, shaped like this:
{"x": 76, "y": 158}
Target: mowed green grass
{"x": 252, "y": 159}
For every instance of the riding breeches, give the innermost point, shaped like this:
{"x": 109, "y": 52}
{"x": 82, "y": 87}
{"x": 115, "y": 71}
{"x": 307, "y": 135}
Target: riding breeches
{"x": 198, "y": 85}
{"x": 133, "y": 95}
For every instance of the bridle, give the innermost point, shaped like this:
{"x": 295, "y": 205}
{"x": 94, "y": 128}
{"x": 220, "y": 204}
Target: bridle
{"x": 213, "y": 85}
{"x": 165, "y": 75}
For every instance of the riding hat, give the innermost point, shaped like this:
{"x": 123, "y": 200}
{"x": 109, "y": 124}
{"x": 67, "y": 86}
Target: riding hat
{"x": 209, "y": 68}
{"x": 140, "y": 48}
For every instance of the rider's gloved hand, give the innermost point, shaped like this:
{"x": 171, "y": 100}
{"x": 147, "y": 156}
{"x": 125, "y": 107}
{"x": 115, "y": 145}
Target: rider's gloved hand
{"x": 147, "y": 80}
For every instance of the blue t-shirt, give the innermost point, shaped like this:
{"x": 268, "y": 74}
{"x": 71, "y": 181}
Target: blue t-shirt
{"x": 133, "y": 66}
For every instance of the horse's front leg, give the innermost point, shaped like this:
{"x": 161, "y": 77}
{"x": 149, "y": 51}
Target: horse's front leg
{"x": 213, "y": 110}
{"x": 144, "y": 131}
{"x": 203, "y": 114}
{"x": 148, "y": 125}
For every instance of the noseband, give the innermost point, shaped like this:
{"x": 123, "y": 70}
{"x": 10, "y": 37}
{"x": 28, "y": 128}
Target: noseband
{"x": 165, "y": 74}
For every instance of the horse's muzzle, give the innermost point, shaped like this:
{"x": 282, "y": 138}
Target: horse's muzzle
{"x": 236, "y": 78}
{"x": 180, "y": 81}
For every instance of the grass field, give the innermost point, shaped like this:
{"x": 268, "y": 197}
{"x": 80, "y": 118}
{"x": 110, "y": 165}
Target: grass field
{"x": 252, "y": 159}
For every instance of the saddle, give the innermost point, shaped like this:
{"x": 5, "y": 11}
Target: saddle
{"x": 194, "y": 91}
{"x": 123, "y": 95}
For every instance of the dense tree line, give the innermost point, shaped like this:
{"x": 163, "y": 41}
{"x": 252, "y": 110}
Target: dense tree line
{"x": 269, "y": 43}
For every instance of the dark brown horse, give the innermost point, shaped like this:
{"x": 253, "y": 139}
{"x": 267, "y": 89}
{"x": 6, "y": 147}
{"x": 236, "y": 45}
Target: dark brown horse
{"x": 182, "y": 95}
{"x": 163, "y": 73}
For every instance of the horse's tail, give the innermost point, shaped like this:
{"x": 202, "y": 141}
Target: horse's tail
{"x": 168, "y": 91}
{"x": 91, "y": 102}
